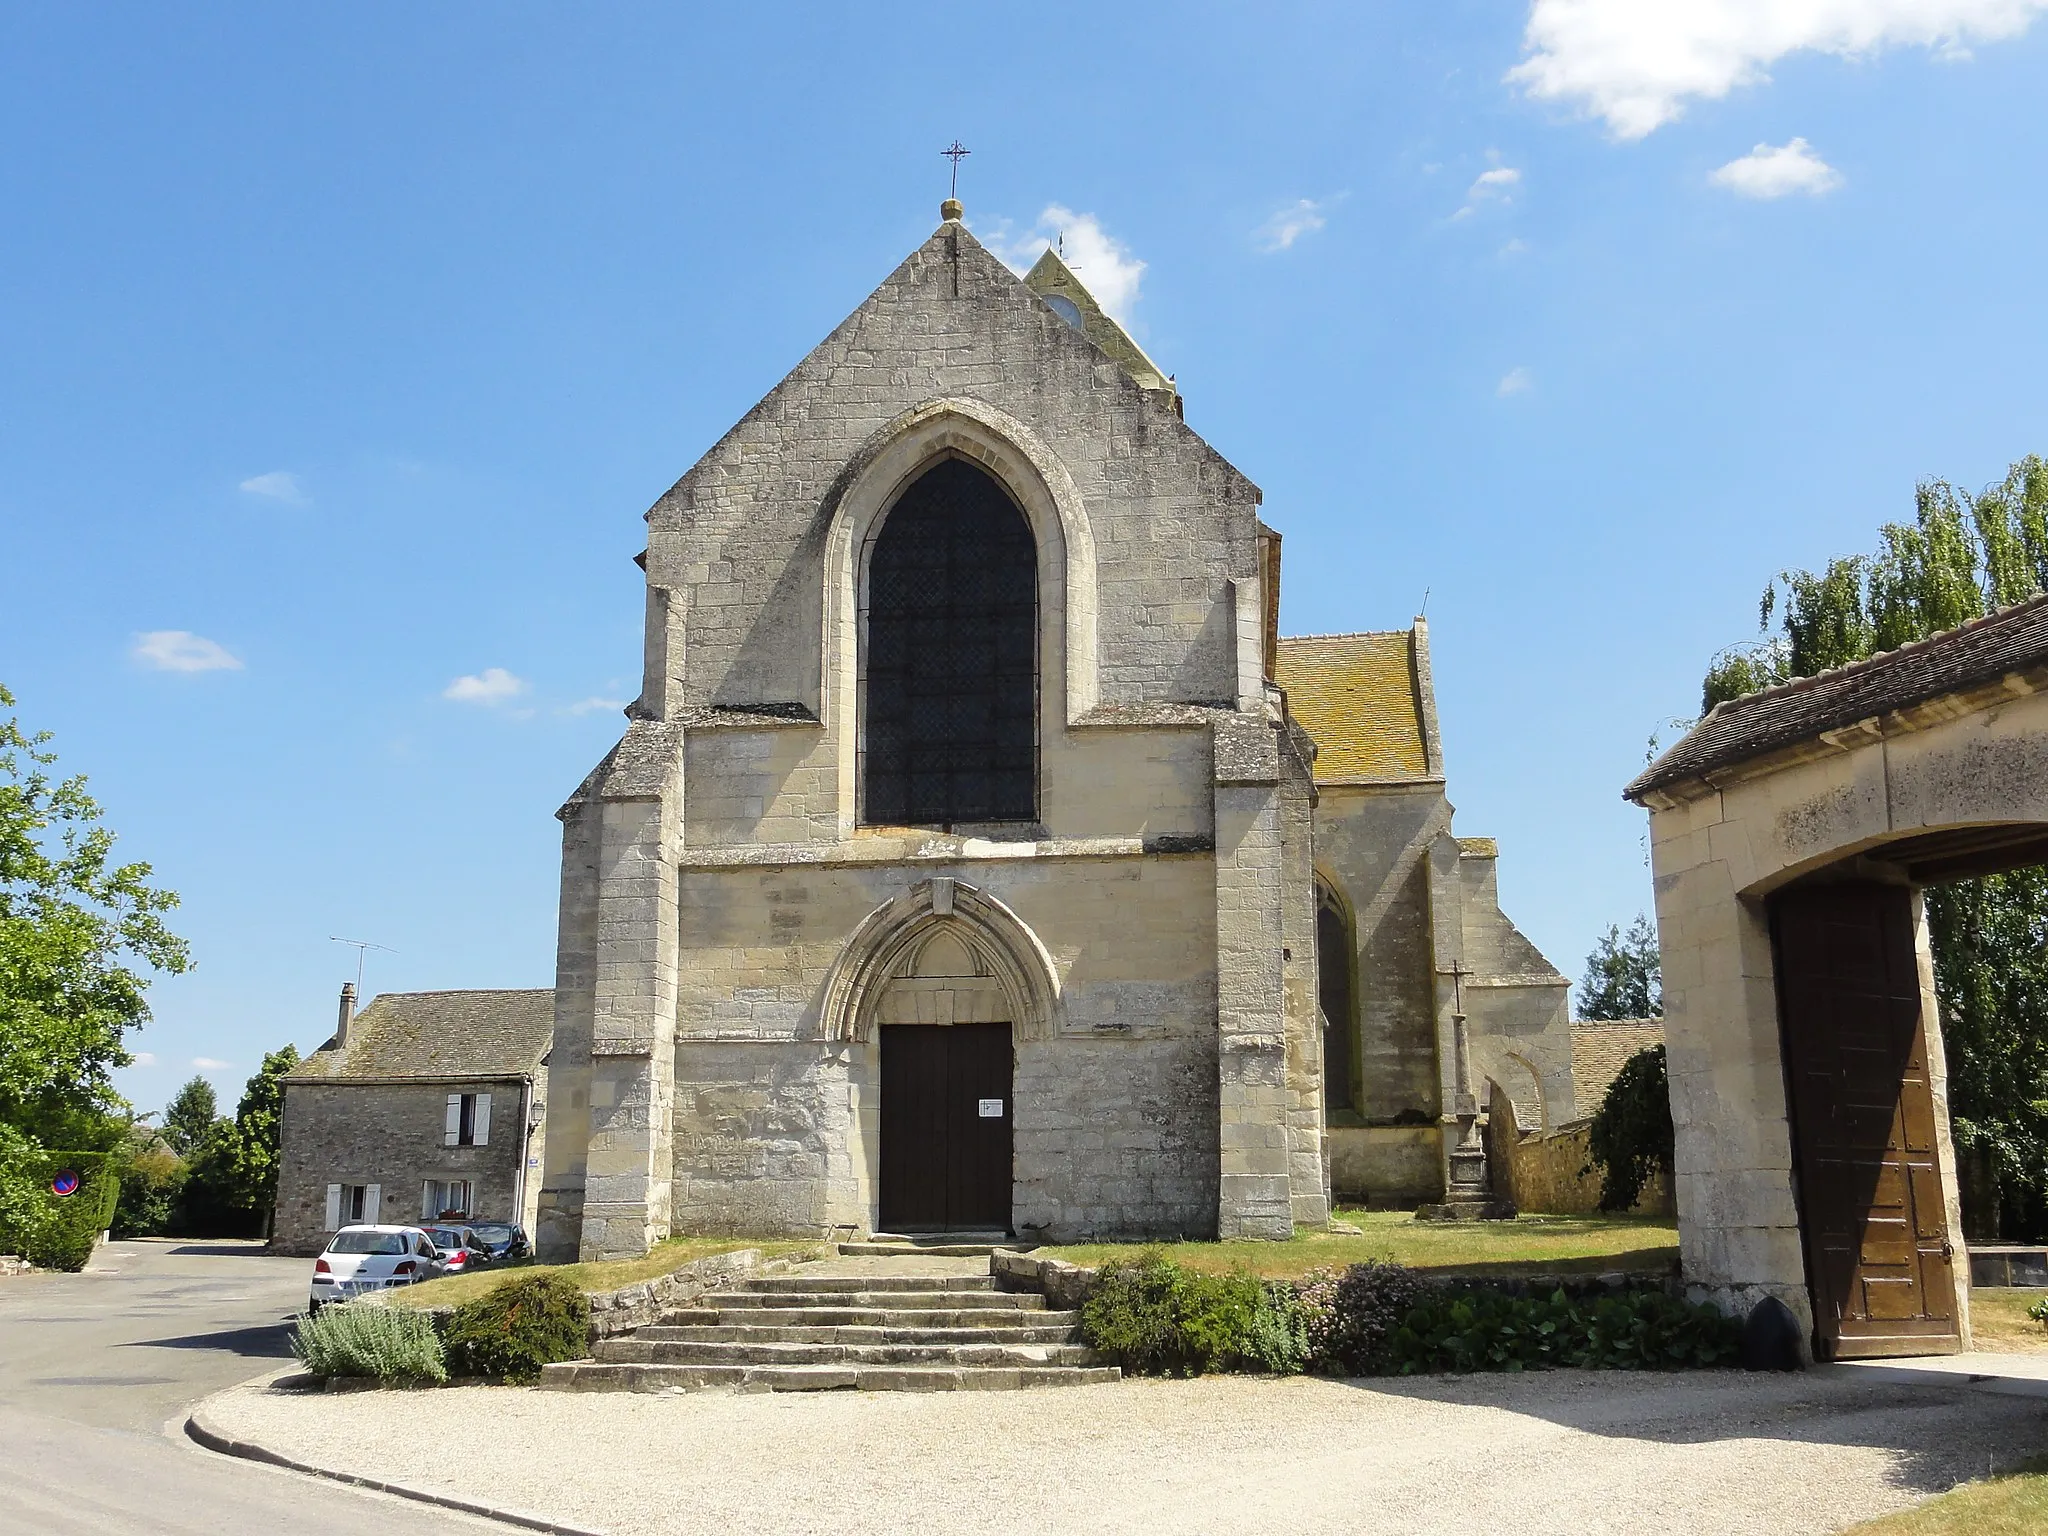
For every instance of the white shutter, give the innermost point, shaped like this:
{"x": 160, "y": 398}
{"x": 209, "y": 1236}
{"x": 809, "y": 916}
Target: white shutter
{"x": 453, "y": 1133}
{"x": 429, "y": 1207}
{"x": 373, "y": 1201}
{"x": 333, "y": 1208}
{"x": 483, "y": 1119}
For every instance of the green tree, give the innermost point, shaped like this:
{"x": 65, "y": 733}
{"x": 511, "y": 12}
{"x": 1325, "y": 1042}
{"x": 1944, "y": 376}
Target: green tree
{"x": 1624, "y": 975}
{"x": 190, "y": 1116}
{"x": 231, "y": 1183}
{"x": 1962, "y": 556}
{"x": 77, "y": 933}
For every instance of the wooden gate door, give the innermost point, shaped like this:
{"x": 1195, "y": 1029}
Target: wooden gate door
{"x": 1878, "y": 1259}
{"x": 945, "y": 1127}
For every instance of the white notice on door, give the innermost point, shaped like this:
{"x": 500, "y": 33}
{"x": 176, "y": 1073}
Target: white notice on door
{"x": 991, "y": 1109}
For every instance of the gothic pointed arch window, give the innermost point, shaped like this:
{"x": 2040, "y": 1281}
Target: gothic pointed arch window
{"x": 949, "y": 730}
{"x": 1337, "y": 997}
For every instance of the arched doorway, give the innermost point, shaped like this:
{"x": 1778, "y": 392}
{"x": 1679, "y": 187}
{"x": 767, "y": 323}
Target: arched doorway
{"x": 946, "y": 1079}
{"x": 949, "y": 727}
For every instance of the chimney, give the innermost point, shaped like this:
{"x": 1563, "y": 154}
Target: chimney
{"x": 346, "y": 1015}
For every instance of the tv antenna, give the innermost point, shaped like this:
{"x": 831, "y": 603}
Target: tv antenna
{"x": 363, "y": 947}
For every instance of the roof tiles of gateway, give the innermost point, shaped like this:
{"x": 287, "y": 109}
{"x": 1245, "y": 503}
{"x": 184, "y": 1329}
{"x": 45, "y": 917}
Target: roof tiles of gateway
{"x": 491, "y": 1034}
{"x": 1982, "y": 651}
{"x": 1361, "y": 699}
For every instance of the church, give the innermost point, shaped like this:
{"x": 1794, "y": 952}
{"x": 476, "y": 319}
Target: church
{"x": 979, "y": 857}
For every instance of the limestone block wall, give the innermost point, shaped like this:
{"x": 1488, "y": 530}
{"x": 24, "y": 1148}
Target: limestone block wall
{"x": 1386, "y": 1166}
{"x": 776, "y": 1126}
{"x": 391, "y": 1135}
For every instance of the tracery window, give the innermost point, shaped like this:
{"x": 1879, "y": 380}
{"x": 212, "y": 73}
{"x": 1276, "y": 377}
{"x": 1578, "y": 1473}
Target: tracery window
{"x": 949, "y": 731}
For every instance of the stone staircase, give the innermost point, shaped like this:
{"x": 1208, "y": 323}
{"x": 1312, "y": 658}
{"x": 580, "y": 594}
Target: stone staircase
{"x": 870, "y": 1332}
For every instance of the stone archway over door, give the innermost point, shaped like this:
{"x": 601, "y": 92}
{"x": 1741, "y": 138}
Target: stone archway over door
{"x": 1878, "y": 1258}
{"x": 947, "y": 1078}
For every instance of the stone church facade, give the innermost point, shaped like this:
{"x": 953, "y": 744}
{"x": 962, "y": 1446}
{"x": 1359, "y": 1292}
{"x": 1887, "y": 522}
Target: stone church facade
{"x": 965, "y": 864}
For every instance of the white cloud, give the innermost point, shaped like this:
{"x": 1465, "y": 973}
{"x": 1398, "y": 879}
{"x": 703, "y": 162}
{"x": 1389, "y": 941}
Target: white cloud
{"x": 145, "y": 1058}
{"x": 208, "y": 1064}
{"x": 493, "y": 685}
{"x": 1516, "y": 381}
{"x": 1515, "y": 247}
{"x": 1302, "y": 217}
{"x": 1778, "y": 172}
{"x": 278, "y": 485}
{"x": 1492, "y": 186}
{"x": 1636, "y": 63}
{"x": 1104, "y": 264}
{"x": 179, "y": 650}
{"x": 592, "y": 705}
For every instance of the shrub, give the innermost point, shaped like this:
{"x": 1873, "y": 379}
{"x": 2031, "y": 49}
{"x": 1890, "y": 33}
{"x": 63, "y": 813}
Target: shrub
{"x": 55, "y": 1231}
{"x": 1351, "y": 1314}
{"x": 1630, "y": 1138}
{"x": 1158, "y": 1318}
{"x": 1480, "y": 1330}
{"x": 509, "y": 1333}
{"x": 2039, "y": 1310}
{"x": 151, "y": 1182}
{"x": 392, "y": 1344}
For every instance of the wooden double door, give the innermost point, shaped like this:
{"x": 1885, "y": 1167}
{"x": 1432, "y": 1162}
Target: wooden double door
{"x": 1879, "y": 1261}
{"x": 946, "y": 1115}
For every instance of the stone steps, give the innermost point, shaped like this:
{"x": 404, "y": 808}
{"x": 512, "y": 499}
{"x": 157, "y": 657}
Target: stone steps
{"x": 861, "y": 1317}
{"x": 593, "y": 1376}
{"x": 636, "y": 1351}
{"x": 1059, "y": 1330}
{"x": 873, "y": 1332}
{"x": 879, "y": 1249}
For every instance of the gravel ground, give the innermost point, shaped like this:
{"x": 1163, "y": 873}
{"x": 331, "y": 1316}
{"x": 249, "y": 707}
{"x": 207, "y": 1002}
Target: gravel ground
{"x": 1577, "y": 1454}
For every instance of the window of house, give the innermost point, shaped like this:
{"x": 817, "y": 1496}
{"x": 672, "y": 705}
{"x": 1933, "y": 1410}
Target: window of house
{"x": 469, "y": 1120}
{"x": 353, "y": 1205}
{"x": 446, "y": 1199}
{"x": 950, "y": 713}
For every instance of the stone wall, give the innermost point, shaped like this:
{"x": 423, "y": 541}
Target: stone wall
{"x": 391, "y": 1135}
{"x": 1386, "y": 1167}
{"x": 1547, "y": 1171}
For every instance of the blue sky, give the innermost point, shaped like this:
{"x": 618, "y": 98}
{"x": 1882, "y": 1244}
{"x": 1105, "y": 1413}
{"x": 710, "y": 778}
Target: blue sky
{"x": 341, "y": 353}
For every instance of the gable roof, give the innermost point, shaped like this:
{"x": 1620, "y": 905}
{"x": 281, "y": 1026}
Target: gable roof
{"x": 1050, "y": 278}
{"x": 1365, "y": 698}
{"x": 1601, "y": 1048}
{"x": 484, "y": 1034}
{"x": 1982, "y": 651}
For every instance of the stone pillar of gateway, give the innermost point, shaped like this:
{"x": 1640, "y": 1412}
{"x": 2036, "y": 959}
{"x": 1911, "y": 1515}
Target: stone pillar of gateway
{"x": 955, "y": 872}
{"x": 1791, "y": 833}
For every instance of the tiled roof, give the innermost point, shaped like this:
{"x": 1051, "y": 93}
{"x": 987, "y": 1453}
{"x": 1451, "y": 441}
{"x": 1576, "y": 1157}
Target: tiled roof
{"x": 1601, "y": 1048}
{"x": 1981, "y": 651}
{"x": 1359, "y": 697}
{"x": 440, "y": 1034}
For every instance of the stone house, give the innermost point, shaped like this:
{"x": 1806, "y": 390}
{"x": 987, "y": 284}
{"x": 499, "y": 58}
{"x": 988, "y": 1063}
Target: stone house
{"x": 422, "y": 1104}
{"x": 968, "y": 854}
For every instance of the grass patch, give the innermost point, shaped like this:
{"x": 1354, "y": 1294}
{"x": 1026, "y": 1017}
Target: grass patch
{"x": 2015, "y": 1504}
{"x": 1528, "y": 1245}
{"x": 1999, "y": 1321}
{"x": 609, "y": 1275}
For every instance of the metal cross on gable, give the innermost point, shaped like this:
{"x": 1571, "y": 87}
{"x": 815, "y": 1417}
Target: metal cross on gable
{"x": 956, "y": 152}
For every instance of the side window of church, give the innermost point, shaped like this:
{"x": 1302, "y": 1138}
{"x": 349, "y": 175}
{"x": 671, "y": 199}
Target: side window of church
{"x": 950, "y": 733}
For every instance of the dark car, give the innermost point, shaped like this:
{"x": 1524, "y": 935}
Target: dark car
{"x": 460, "y": 1249}
{"x": 505, "y": 1240}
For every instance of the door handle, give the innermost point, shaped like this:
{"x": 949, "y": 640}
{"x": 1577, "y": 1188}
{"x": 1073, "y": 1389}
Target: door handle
{"x": 1948, "y": 1251}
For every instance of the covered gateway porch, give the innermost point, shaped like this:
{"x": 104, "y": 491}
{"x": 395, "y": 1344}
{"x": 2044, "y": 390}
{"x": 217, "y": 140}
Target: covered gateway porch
{"x": 1792, "y": 832}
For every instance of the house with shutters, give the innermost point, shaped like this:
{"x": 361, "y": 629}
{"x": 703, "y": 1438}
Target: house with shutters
{"x": 424, "y": 1104}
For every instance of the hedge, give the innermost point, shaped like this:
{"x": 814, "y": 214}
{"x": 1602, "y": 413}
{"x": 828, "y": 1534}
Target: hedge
{"x": 58, "y": 1232}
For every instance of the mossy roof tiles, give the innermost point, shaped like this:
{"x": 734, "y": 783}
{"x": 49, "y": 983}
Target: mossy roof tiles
{"x": 1360, "y": 698}
{"x": 482, "y": 1034}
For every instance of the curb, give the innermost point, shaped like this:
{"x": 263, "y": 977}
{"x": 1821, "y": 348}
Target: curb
{"x": 204, "y": 1434}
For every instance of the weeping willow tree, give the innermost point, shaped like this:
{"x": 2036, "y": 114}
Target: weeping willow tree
{"x": 1962, "y": 556}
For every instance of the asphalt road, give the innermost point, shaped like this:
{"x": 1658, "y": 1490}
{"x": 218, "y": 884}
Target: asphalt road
{"x": 98, "y": 1370}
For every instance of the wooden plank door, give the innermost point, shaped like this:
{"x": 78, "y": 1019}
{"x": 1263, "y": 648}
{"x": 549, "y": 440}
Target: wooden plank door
{"x": 1878, "y": 1258}
{"x": 946, "y": 1127}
